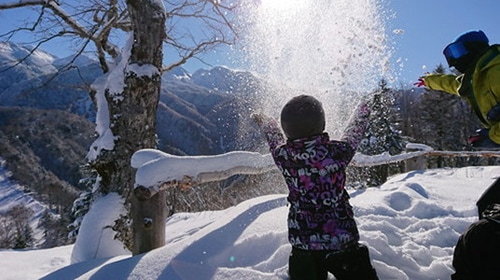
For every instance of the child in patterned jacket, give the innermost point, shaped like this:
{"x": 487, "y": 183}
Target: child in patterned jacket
{"x": 321, "y": 226}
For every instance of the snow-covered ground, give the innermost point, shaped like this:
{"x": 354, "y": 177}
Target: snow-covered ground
{"x": 410, "y": 223}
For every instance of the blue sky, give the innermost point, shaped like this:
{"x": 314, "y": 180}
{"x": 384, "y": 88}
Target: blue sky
{"x": 428, "y": 25}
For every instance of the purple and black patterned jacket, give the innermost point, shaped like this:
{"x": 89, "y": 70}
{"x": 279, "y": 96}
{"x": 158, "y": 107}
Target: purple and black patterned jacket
{"x": 320, "y": 216}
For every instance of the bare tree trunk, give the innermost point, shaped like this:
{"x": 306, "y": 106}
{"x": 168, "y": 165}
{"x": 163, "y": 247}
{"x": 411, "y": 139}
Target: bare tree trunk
{"x": 132, "y": 111}
{"x": 133, "y": 122}
{"x": 148, "y": 19}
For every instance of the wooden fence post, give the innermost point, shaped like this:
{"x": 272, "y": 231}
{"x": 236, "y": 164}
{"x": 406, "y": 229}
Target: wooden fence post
{"x": 415, "y": 163}
{"x": 148, "y": 222}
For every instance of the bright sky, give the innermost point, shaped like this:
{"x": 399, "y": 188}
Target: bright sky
{"x": 427, "y": 27}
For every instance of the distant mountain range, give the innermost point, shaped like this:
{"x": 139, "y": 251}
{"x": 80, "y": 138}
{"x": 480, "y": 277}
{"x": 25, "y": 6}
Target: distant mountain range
{"x": 47, "y": 117}
{"x": 193, "y": 107}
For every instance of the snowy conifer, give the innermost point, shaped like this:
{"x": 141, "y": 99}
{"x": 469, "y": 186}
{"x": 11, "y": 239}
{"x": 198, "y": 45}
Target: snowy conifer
{"x": 380, "y": 137}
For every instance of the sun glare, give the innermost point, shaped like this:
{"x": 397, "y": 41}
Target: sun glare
{"x": 281, "y": 4}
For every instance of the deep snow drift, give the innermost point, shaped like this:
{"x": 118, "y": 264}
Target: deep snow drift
{"x": 411, "y": 224}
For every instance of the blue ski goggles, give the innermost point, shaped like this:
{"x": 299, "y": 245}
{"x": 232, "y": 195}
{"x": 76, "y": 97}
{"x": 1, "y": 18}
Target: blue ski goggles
{"x": 457, "y": 49}
{"x": 454, "y": 51}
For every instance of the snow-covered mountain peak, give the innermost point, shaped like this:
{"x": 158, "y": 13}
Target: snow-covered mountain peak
{"x": 14, "y": 52}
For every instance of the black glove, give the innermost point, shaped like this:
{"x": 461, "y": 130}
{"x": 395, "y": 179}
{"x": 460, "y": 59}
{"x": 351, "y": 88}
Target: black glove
{"x": 494, "y": 113}
{"x": 480, "y": 135}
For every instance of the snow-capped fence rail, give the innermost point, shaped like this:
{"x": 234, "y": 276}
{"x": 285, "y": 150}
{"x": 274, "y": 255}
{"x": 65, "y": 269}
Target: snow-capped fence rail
{"x": 158, "y": 171}
{"x": 415, "y": 156}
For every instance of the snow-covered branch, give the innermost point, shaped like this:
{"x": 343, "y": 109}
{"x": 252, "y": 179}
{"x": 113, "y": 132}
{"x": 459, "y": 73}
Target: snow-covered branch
{"x": 157, "y": 170}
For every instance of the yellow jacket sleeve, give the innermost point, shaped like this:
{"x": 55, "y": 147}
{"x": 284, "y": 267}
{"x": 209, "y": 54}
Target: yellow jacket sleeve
{"x": 493, "y": 80}
{"x": 447, "y": 83}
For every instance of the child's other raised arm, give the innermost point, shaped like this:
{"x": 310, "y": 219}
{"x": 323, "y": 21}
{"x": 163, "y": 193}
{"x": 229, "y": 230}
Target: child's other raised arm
{"x": 271, "y": 130}
{"x": 357, "y": 125}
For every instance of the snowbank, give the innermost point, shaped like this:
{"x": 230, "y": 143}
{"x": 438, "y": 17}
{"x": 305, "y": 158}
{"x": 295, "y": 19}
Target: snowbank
{"x": 410, "y": 223}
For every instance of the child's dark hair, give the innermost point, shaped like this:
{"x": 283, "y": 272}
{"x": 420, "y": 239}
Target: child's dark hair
{"x": 302, "y": 117}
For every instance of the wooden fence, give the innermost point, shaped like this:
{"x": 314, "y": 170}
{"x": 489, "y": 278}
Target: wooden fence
{"x": 155, "y": 175}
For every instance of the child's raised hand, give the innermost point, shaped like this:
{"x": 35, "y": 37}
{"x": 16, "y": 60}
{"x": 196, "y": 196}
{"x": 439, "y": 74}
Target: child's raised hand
{"x": 420, "y": 82}
{"x": 258, "y": 118}
{"x": 364, "y": 109}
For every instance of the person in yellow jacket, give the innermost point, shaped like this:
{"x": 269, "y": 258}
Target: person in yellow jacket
{"x": 479, "y": 83}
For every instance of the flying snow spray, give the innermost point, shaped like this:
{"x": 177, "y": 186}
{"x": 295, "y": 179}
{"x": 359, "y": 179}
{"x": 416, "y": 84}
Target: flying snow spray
{"x": 335, "y": 50}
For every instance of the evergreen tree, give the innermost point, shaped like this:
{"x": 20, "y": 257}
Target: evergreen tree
{"x": 55, "y": 230}
{"x": 82, "y": 204}
{"x": 380, "y": 137}
{"x": 443, "y": 115}
{"x": 24, "y": 238}
{"x": 6, "y": 232}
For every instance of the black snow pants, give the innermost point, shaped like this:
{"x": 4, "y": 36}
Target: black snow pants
{"x": 351, "y": 264}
